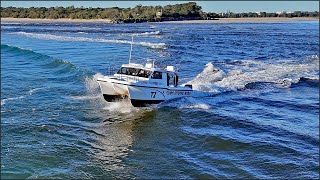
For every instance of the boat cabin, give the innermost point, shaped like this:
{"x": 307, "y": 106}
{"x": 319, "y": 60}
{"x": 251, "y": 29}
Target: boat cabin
{"x": 157, "y": 76}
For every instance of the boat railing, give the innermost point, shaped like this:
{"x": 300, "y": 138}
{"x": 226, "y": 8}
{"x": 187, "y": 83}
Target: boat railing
{"x": 129, "y": 78}
{"x": 111, "y": 70}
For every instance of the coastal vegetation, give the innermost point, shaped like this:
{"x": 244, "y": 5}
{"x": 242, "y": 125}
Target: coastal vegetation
{"x": 139, "y": 13}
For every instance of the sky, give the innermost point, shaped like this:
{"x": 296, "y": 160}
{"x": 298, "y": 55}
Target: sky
{"x": 207, "y": 6}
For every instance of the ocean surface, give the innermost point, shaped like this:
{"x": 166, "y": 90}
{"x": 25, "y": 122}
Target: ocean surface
{"x": 262, "y": 121}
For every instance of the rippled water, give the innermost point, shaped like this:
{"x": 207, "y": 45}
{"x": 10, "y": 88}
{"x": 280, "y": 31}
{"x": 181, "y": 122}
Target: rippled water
{"x": 262, "y": 122}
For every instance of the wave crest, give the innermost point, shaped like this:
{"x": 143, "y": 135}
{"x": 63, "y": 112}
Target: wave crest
{"x": 29, "y": 93}
{"x": 145, "y": 33}
{"x": 3, "y": 101}
{"x": 87, "y": 39}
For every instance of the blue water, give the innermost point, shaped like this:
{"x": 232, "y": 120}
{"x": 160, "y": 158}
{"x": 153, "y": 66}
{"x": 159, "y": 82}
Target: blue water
{"x": 262, "y": 122}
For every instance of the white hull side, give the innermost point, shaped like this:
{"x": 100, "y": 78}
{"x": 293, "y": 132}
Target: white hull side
{"x": 110, "y": 88}
{"x": 120, "y": 88}
{"x": 156, "y": 94}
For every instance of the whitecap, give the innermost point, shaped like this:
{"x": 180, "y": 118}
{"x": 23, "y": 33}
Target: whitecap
{"x": 145, "y": 33}
{"x": 31, "y": 91}
{"x": 10, "y": 23}
{"x": 9, "y": 27}
{"x": 313, "y": 58}
{"x": 3, "y": 101}
{"x": 80, "y": 32}
{"x": 86, "y": 39}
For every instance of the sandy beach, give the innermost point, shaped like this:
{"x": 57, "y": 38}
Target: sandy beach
{"x": 221, "y": 20}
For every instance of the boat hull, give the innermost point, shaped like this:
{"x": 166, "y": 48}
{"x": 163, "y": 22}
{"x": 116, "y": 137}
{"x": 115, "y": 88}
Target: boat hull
{"x": 143, "y": 95}
{"x": 143, "y": 103}
{"x": 111, "y": 91}
{"x": 114, "y": 98}
{"x": 140, "y": 95}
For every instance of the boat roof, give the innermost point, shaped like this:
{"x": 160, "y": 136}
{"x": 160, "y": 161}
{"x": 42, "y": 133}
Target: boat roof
{"x": 140, "y": 66}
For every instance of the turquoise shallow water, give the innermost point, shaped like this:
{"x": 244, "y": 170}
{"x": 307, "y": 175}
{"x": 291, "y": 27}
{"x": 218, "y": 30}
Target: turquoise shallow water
{"x": 263, "y": 121}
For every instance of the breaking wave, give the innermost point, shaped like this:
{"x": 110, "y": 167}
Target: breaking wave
{"x": 145, "y": 33}
{"x": 16, "y": 49}
{"x": 11, "y": 23}
{"x": 32, "y": 91}
{"x": 239, "y": 74}
{"x": 29, "y": 93}
{"x": 86, "y": 39}
{"x": 313, "y": 58}
{"x": 3, "y": 101}
{"x": 9, "y": 27}
{"x": 80, "y": 32}
{"x": 50, "y": 62}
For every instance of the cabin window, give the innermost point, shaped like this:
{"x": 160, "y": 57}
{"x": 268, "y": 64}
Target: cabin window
{"x": 134, "y": 72}
{"x": 123, "y": 71}
{"x": 175, "y": 80}
{"x": 144, "y": 73}
{"x": 156, "y": 75}
{"x": 172, "y": 79}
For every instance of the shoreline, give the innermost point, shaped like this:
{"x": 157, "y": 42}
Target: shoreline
{"x": 220, "y": 20}
{"x": 248, "y": 20}
{"x": 55, "y": 20}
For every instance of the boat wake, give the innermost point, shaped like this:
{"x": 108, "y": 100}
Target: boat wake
{"x": 213, "y": 80}
{"x": 194, "y": 103}
{"x": 240, "y": 75}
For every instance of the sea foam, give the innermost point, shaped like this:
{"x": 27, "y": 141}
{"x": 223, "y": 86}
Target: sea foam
{"x": 94, "y": 94}
{"x": 237, "y": 75}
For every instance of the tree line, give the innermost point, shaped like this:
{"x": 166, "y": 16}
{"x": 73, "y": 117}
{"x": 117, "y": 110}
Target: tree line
{"x": 263, "y": 14}
{"x": 139, "y": 13}
{"x": 191, "y": 10}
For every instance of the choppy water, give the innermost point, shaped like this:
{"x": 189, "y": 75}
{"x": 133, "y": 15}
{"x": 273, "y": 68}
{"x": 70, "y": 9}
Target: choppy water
{"x": 263, "y": 121}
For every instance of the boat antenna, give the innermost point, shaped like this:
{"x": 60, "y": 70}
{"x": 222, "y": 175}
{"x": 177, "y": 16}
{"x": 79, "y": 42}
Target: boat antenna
{"x": 130, "y": 50}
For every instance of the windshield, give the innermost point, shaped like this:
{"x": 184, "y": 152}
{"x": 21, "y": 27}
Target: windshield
{"x": 134, "y": 72}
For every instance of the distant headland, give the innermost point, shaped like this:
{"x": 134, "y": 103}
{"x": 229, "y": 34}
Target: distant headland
{"x": 186, "y": 12}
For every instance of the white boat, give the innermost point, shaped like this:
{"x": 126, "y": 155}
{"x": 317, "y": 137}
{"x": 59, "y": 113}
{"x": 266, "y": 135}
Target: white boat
{"x": 143, "y": 84}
